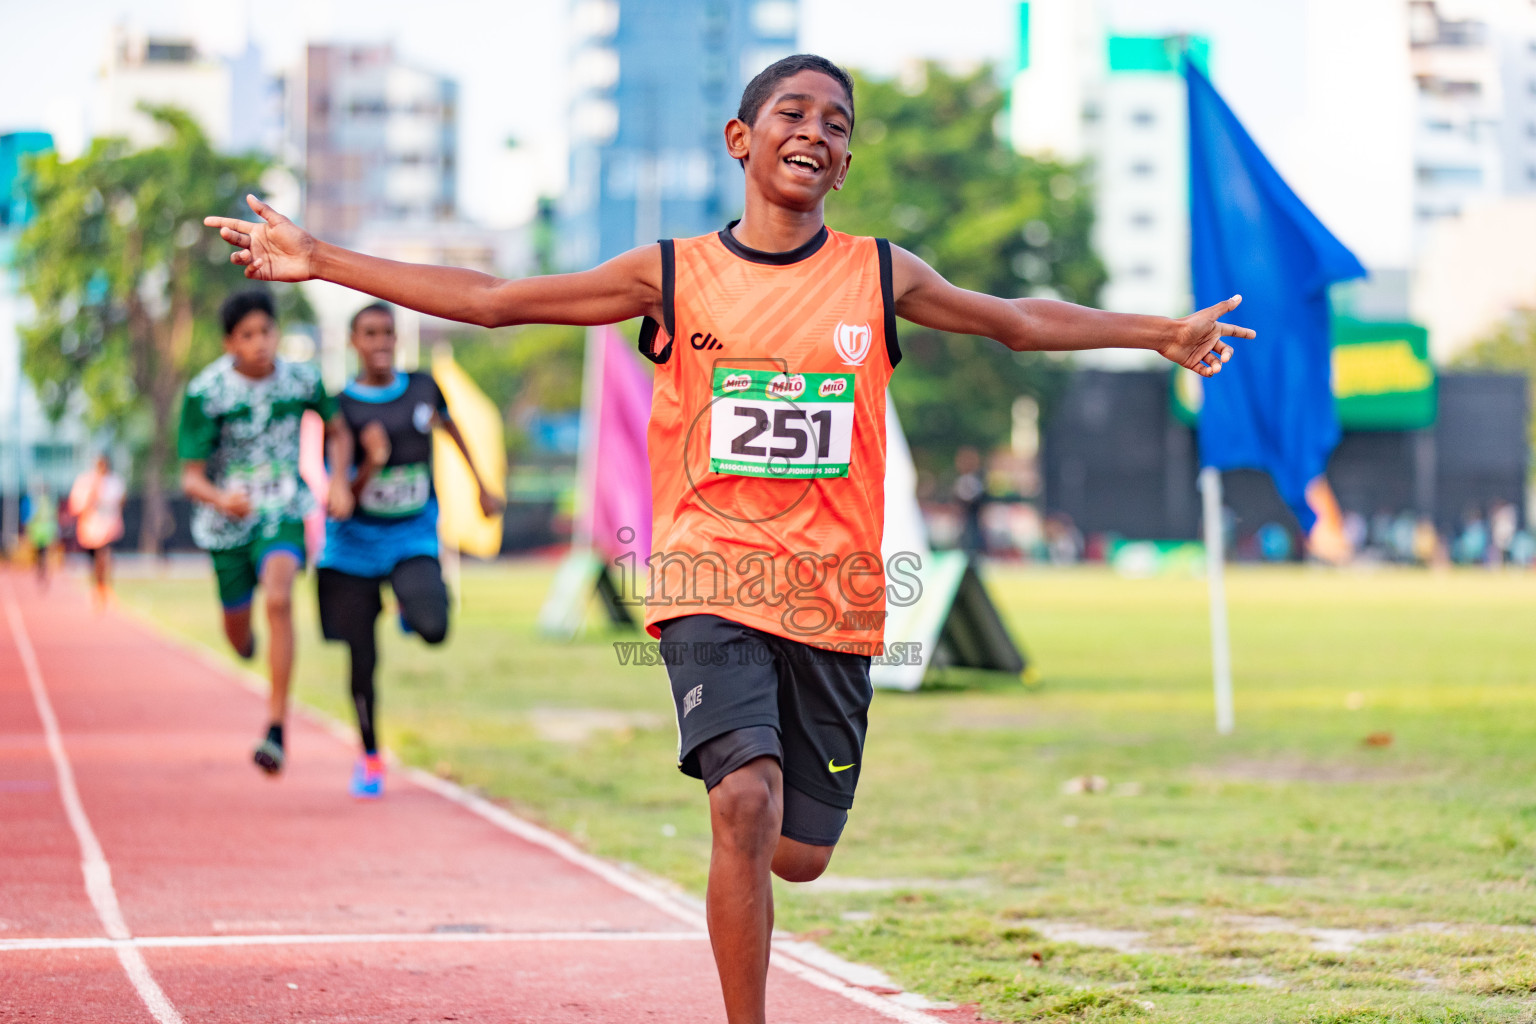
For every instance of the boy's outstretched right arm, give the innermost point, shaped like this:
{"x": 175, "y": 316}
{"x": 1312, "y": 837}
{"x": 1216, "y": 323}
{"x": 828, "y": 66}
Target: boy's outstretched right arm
{"x": 273, "y": 248}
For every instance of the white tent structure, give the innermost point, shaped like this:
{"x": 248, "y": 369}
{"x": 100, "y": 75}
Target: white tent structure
{"x": 951, "y": 619}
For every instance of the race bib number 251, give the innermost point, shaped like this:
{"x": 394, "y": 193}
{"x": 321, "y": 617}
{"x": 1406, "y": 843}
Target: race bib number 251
{"x": 781, "y": 426}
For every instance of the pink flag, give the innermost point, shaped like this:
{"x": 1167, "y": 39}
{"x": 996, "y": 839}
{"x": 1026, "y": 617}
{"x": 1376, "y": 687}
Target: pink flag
{"x": 618, "y": 508}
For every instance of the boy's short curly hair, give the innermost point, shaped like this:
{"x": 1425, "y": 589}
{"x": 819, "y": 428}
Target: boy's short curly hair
{"x": 372, "y": 307}
{"x": 760, "y": 89}
{"x": 243, "y": 303}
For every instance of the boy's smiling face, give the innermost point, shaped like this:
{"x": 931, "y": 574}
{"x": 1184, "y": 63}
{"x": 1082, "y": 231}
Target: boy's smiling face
{"x": 796, "y": 150}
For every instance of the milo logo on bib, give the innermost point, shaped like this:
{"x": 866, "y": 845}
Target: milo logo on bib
{"x": 789, "y": 426}
{"x": 784, "y": 386}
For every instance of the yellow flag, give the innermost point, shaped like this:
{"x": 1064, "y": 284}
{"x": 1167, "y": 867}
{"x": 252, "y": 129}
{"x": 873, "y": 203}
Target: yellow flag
{"x": 460, "y": 524}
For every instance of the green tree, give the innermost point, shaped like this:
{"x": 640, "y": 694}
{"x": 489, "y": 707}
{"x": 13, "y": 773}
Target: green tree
{"x": 1511, "y": 348}
{"x": 525, "y": 370}
{"x": 931, "y": 174}
{"x": 126, "y": 284}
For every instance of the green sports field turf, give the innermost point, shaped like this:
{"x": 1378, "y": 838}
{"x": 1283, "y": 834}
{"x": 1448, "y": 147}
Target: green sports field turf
{"x": 1291, "y": 872}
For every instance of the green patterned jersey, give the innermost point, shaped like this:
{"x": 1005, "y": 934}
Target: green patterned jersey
{"x": 247, "y": 432}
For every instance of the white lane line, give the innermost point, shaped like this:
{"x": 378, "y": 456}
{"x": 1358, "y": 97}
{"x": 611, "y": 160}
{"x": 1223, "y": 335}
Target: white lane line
{"x": 782, "y": 957}
{"x": 562, "y": 848}
{"x": 209, "y": 941}
{"x": 849, "y": 983}
{"x": 93, "y": 863}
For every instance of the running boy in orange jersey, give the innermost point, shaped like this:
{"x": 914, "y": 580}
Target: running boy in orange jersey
{"x": 773, "y": 340}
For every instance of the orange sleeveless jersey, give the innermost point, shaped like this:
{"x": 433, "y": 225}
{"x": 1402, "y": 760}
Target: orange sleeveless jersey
{"x": 767, "y": 437}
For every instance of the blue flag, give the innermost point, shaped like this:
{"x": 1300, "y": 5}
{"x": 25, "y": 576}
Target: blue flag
{"x": 1271, "y": 407}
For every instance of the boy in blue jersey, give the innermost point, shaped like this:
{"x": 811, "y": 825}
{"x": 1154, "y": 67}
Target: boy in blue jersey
{"x": 392, "y": 534}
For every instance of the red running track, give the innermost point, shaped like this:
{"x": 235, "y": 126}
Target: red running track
{"x": 149, "y": 873}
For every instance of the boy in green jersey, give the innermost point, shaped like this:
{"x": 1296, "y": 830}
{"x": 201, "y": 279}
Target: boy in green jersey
{"x": 239, "y": 445}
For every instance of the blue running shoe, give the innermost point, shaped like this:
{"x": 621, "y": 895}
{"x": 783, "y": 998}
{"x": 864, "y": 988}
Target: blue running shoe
{"x": 367, "y": 778}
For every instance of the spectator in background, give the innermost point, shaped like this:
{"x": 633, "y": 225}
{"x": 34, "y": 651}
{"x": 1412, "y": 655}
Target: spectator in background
{"x": 1503, "y": 523}
{"x": 1356, "y": 531}
{"x": 1406, "y": 534}
{"x": 1063, "y": 540}
{"x": 1427, "y": 549}
{"x": 42, "y": 529}
{"x": 970, "y": 495}
{"x": 96, "y": 502}
{"x": 1471, "y": 544}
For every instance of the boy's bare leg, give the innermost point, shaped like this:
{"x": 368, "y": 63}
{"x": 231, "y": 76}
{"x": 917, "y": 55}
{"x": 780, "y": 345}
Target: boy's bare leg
{"x": 277, "y": 573}
{"x": 745, "y": 810}
{"x": 795, "y": 861}
{"x": 237, "y": 629}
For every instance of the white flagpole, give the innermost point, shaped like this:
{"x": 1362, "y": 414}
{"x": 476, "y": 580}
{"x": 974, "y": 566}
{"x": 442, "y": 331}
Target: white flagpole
{"x": 1215, "y": 569}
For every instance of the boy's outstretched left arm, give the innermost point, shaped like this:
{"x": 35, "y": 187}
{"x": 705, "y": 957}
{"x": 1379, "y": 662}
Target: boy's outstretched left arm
{"x": 1196, "y": 342}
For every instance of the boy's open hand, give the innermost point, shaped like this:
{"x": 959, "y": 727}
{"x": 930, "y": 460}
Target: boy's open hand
{"x": 490, "y": 505}
{"x": 1197, "y": 343}
{"x": 235, "y": 504}
{"x": 339, "y": 502}
{"x": 271, "y": 249}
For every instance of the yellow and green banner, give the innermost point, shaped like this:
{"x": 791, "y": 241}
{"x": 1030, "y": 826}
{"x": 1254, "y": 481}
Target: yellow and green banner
{"x": 1382, "y": 378}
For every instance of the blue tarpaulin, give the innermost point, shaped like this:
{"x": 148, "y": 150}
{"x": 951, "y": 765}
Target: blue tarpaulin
{"x": 1271, "y": 407}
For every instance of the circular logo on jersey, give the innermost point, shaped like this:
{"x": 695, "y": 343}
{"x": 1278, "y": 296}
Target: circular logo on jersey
{"x": 421, "y": 417}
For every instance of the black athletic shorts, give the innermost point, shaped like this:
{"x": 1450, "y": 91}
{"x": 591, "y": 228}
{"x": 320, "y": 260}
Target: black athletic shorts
{"x": 727, "y": 676}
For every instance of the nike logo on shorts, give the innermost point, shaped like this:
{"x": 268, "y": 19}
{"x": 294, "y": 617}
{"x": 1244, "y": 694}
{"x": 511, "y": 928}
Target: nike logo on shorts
{"x": 834, "y": 767}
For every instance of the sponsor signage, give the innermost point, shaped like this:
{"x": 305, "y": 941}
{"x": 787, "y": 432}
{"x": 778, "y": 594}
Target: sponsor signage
{"x": 1382, "y": 378}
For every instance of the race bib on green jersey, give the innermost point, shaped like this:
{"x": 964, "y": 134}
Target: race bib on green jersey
{"x": 269, "y": 487}
{"x": 397, "y": 491}
{"x": 782, "y": 426}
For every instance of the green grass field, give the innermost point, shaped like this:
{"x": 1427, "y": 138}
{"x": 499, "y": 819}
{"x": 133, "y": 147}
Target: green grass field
{"x": 1290, "y": 872}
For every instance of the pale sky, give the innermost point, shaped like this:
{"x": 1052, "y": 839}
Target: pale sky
{"x": 510, "y": 63}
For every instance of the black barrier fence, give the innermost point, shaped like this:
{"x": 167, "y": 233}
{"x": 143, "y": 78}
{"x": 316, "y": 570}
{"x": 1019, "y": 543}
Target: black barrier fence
{"x": 526, "y": 526}
{"x": 1117, "y": 460}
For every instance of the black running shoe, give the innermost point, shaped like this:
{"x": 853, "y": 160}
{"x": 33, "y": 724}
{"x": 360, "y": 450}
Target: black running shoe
{"x": 269, "y": 757}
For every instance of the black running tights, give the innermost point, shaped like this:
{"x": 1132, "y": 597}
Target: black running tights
{"x": 349, "y": 611}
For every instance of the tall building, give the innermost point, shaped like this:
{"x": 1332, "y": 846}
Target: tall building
{"x": 1141, "y": 173}
{"x": 1474, "y": 166}
{"x": 654, "y": 82}
{"x": 235, "y": 102}
{"x": 1081, "y": 92}
{"x": 161, "y": 71}
{"x": 378, "y": 140}
{"x": 1474, "y": 69}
